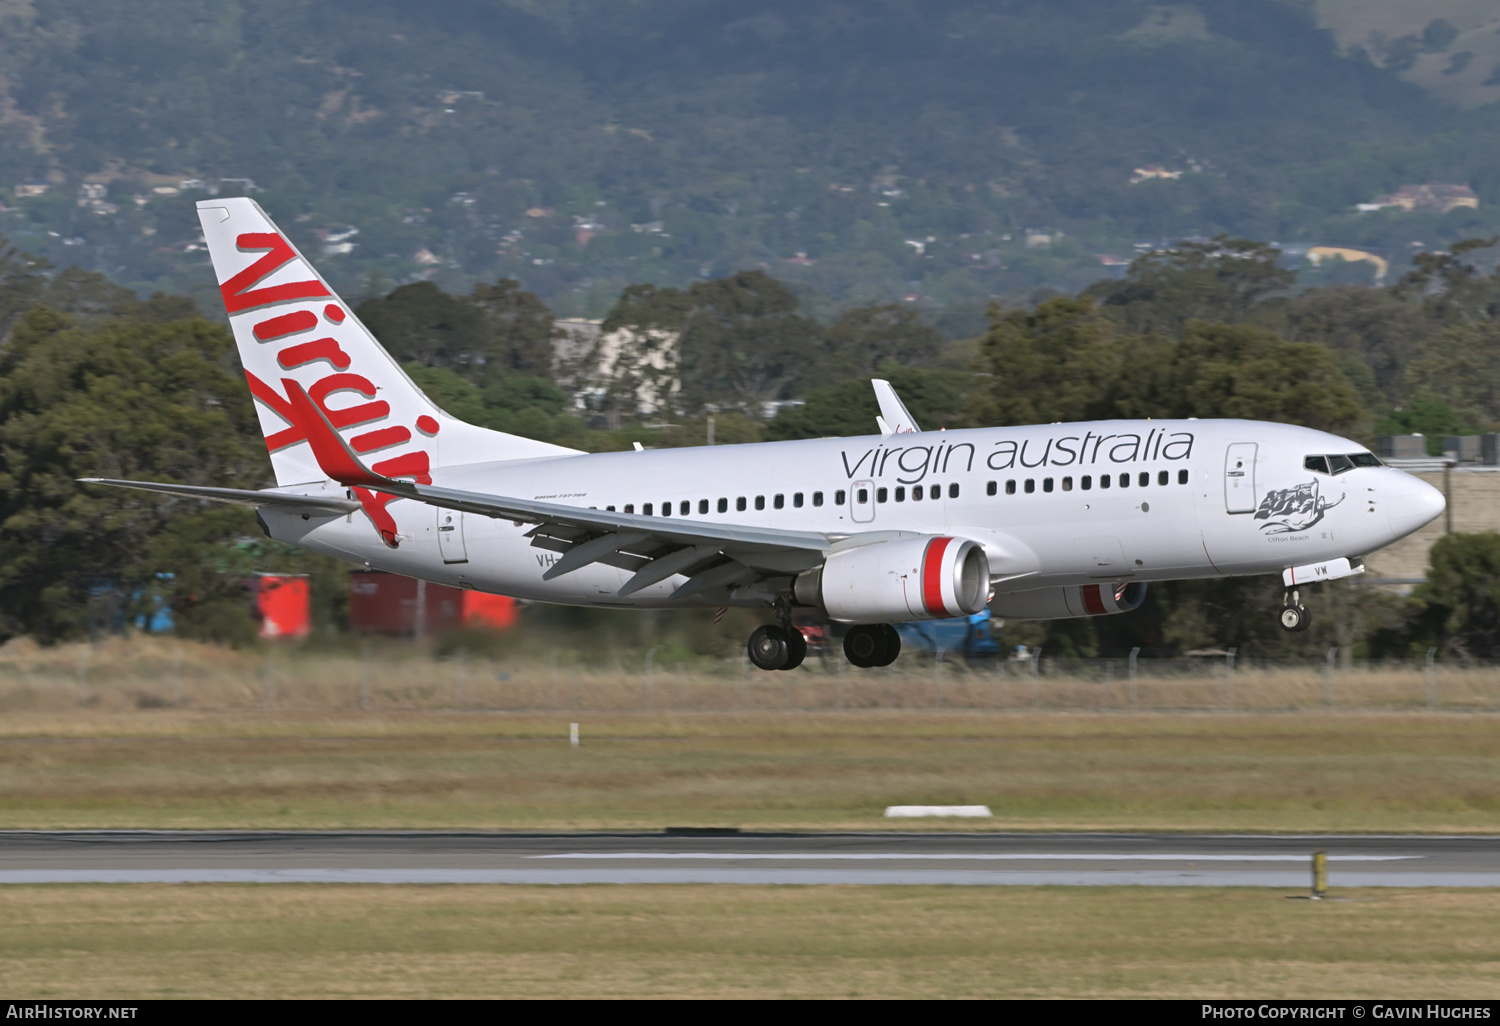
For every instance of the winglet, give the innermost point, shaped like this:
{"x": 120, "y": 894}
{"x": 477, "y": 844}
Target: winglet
{"x": 894, "y": 418}
{"x": 334, "y": 456}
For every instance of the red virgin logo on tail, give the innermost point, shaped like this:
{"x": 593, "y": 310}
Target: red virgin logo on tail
{"x": 288, "y": 331}
{"x": 237, "y": 291}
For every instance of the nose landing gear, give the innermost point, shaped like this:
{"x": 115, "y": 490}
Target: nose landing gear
{"x": 1294, "y": 616}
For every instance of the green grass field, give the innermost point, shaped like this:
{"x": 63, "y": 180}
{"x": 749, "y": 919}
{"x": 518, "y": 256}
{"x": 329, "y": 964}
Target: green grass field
{"x": 691, "y": 941}
{"x": 1301, "y": 772}
{"x": 138, "y": 738}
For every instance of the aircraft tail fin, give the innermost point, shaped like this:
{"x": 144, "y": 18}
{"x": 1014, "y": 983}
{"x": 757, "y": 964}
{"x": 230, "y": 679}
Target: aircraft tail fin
{"x": 289, "y": 326}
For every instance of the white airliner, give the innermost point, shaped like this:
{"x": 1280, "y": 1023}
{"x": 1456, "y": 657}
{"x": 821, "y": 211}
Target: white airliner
{"x": 1041, "y": 522}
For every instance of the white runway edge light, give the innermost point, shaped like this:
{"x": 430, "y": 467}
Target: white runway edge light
{"x": 919, "y": 811}
{"x": 1331, "y": 570}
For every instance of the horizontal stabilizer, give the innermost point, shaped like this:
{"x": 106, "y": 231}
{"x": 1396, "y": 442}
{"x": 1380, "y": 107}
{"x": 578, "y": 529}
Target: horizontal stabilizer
{"x": 241, "y": 496}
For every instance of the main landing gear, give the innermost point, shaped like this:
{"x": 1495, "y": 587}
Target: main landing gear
{"x": 1294, "y": 615}
{"x": 872, "y": 644}
{"x": 777, "y": 648}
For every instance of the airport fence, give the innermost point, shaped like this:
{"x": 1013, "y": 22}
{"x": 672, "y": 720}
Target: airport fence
{"x": 159, "y": 674}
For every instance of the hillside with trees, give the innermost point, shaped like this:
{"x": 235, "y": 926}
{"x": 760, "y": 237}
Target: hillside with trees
{"x": 1018, "y": 210}
{"x": 940, "y": 153}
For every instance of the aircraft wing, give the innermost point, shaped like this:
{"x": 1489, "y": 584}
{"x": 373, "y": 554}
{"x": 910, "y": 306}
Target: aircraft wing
{"x": 654, "y": 548}
{"x": 327, "y": 505}
{"x": 712, "y": 556}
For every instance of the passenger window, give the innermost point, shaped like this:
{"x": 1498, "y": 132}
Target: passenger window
{"x": 1030, "y": 485}
{"x": 1086, "y": 483}
{"x": 702, "y": 506}
{"x": 1182, "y": 477}
{"x": 817, "y": 499}
{"x": 900, "y": 494}
{"x": 916, "y": 494}
{"x": 838, "y": 497}
{"x": 646, "y": 510}
{"x": 797, "y": 499}
{"x": 1145, "y": 478}
{"x": 991, "y": 488}
{"x": 609, "y": 509}
{"x": 862, "y": 495}
{"x": 1010, "y": 488}
{"x": 739, "y": 504}
{"x": 880, "y": 495}
{"x": 666, "y": 509}
{"x": 1317, "y": 464}
{"x": 935, "y": 492}
{"x": 723, "y": 505}
{"x": 1164, "y": 477}
{"x": 760, "y": 502}
{"x": 1067, "y": 484}
{"x": 1124, "y": 480}
{"x": 1046, "y": 484}
{"x": 953, "y": 491}
{"x": 1339, "y": 464}
{"x": 630, "y": 507}
{"x": 1104, "y": 480}
{"x": 779, "y": 501}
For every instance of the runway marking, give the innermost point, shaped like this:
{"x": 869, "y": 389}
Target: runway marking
{"x": 1280, "y": 878}
{"x": 726, "y": 856}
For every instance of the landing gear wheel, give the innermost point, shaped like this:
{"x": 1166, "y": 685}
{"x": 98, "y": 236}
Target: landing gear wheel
{"x": 796, "y": 649}
{"x": 1295, "y": 618}
{"x": 770, "y": 648}
{"x": 892, "y": 645}
{"x": 872, "y": 644}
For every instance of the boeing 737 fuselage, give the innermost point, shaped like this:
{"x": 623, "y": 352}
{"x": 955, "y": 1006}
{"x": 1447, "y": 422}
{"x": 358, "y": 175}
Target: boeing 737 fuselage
{"x": 1041, "y": 522}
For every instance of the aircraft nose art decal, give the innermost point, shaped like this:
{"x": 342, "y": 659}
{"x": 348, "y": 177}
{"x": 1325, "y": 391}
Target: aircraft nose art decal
{"x": 1293, "y": 509}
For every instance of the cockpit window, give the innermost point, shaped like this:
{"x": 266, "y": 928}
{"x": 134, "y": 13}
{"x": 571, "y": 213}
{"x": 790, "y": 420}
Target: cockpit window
{"x": 1339, "y": 464}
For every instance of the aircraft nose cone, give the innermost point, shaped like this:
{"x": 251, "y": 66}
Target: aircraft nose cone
{"x": 1412, "y": 504}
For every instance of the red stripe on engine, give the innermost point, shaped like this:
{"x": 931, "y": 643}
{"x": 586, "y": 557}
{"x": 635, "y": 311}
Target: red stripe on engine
{"x": 932, "y": 576}
{"x": 1091, "y": 600}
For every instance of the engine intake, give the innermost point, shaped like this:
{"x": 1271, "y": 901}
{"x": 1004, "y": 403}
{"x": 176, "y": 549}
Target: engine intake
{"x": 893, "y": 581}
{"x": 1071, "y": 601}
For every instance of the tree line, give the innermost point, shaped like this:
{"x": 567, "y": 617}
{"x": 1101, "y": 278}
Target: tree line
{"x": 97, "y": 382}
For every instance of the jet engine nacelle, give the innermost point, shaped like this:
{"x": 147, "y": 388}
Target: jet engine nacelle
{"x": 893, "y": 581}
{"x": 1073, "y": 600}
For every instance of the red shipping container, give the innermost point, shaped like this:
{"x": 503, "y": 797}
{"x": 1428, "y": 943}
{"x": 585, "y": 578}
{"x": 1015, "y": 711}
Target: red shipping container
{"x": 282, "y": 605}
{"x": 385, "y": 603}
{"x": 496, "y": 612}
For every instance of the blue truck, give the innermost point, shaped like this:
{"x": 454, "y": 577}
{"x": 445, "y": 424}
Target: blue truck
{"x": 972, "y": 637}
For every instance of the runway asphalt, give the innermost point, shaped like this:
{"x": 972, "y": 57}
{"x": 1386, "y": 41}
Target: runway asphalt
{"x": 984, "y": 859}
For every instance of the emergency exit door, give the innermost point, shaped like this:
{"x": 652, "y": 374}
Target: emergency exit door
{"x": 1239, "y": 478}
{"x": 862, "y": 502}
{"x": 450, "y": 531}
